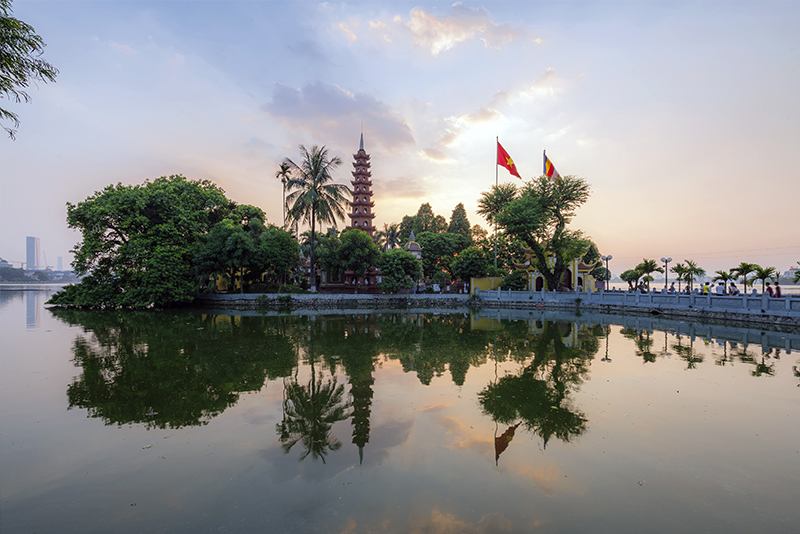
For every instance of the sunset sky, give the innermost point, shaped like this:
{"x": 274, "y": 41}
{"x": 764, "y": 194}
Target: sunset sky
{"x": 683, "y": 117}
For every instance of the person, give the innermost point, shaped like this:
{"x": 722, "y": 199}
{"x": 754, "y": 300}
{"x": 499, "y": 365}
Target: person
{"x": 672, "y": 288}
{"x": 705, "y": 288}
{"x": 733, "y": 290}
{"x": 769, "y": 290}
{"x": 755, "y": 292}
{"x": 778, "y": 289}
{"x": 720, "y": 289}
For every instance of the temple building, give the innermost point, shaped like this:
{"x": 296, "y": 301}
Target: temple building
{"x": 361, "y": 214}
{"x": 361, "y": 218}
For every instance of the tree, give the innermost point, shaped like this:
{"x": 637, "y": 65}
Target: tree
{"x": 313, "y": 197}
{"x": 478, "y": 233}
{"x": 493, "y": 201}
{"x": 470, "y": 263}
{"x": 680, "y": 272}
{"x": 693, "y": 272}
{"x": 358, "y": 253}
{"x": 516, "y": 281}
{"x": 138, "y": 242}
{"x": 389, "y": 237}
{"x": 742, "y": 271}
{"x": 229, "y": 250}
{"x": 459, "y": 224}
{"x": 424, "y": 221}
{"x": 631, "y": 276}
{"x": 725, "y": 277}
{"x": 439, "y": 249}
{"x": 646, "y": 267}
{"x": 283, "y": 174}
{"x": 399, "y": 270}
{"x": 20, "y": 62}
{"x": 796, "y": 279}
{"x": 764, "y": 274}
{"x": 539, "y": 217}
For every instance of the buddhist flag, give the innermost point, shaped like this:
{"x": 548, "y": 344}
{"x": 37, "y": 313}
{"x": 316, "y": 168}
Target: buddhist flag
{"x": 505, "y": 160}
{"x": 550, "y": 169}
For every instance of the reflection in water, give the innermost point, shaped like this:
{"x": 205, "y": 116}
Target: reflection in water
{"x": 172, "y": 369}
{"x": 33, "y": 309}
{"x": 176, "y": 369}
{"x": 539, "y": 395}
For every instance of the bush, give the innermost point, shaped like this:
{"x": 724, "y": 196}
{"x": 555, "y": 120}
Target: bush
{"x": 516, "y": 281}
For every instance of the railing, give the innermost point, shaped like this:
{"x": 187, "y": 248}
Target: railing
{"x": 785, "y": 306}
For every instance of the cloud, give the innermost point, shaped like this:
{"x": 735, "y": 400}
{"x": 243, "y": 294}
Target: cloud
{"x": 460, "y": 25}
{"x": 401, "y": 187}
{"x": 460, "y": 124}
{"x": 348, "y": 32}
{"x": 434, "y": 154}
{"x": 327, "y": 111}
{"x": 309, "y": 50}
{"x": 125, "y": 49}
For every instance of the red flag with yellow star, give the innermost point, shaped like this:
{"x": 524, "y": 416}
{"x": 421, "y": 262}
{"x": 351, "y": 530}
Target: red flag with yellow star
{"x": 505, "y": 160}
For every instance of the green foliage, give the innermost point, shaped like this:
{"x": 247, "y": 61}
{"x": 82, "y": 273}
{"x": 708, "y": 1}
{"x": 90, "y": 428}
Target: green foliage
{"x": 399, "y": 270}
{"x": 389, "y": 237}
{"x": 693, "y": 272}
{"x": 20, "y": 62}
{"x": 539, "y": 215}
{"x": 171, "y": 369}
{"x": 516, "y": 281}
{"x": 424, "y": 221}
{"x": 9, "y": 274}
{"x": 646, "y": 267}
{"x": 314, "y": 198}
{"x": 439, "y": 249}
{"x": 742, "y": 270}
{"x": 459, "y": 224}
{"x": 138, "y": 242}
{"x": 631, "y": 276}
{"x": 764, "y": 274}
{"x": 358, "y": 252}
{"x": 796, "y": 279}
{"x": 493, "y": 201}
{"x": 470, "y": 263}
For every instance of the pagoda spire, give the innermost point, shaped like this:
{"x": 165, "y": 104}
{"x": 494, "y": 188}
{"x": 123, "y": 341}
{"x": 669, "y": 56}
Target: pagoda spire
{"x": 361, "y": 214}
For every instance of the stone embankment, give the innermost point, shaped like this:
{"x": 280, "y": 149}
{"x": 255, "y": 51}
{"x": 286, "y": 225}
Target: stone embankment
{"x": 333, "y": 302}
{"x": 743, "y": 309}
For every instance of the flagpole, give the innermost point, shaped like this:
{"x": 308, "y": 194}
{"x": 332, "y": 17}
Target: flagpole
{"x": 496, "y": 183}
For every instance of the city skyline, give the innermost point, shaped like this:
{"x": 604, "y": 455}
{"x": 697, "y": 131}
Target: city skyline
{"x": 681, "y": 116}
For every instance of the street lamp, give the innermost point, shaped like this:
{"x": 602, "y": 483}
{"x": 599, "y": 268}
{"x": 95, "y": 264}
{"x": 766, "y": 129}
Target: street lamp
{"x": 608, "y": 273}
{"x": 666, "y": 271}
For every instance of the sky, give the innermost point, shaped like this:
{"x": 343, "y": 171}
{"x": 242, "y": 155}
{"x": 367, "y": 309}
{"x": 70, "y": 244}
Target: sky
{"x": 682, "y": 116}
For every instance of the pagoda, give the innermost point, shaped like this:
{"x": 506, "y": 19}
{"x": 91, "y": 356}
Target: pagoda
{"x": 361, "y": 214}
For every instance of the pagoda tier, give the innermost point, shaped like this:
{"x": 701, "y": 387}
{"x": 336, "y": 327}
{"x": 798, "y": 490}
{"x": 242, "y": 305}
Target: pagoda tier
{"x": 361, "y": 214}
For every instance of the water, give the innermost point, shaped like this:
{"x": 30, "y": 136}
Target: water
{"x": 192, "y": 421}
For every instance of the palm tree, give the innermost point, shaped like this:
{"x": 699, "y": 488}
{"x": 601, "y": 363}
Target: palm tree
{"x": 693, "y": 272}
{"x": 725, "y": 277}
{"x": 680, "y": 272}
{"x": 314, "y": 197}
{"x": 764, "y": 274}
{"x": 647, "y": 267}
{"x": 283, "y": 174}
{"x": 796, "y": 279}
{"x": 389, "y": 237}
{"x": 743, "y": 270}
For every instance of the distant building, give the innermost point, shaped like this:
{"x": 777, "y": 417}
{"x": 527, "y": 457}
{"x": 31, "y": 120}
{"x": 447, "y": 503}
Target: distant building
{"x": 4, "y": 263}
{"x": 790, "y": 273}
{"x": 60, "y": 263}
{"x": 32, "y": 260}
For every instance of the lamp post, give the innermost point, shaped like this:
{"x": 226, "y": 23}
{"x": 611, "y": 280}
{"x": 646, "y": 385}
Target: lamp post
{"x": 666, "y": 271}
{"x": 608, "y": 273}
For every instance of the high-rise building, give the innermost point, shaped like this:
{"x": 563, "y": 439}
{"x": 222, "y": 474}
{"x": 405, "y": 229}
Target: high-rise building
{"x": 60, "y": 263}
{"x": 32, "y": 260}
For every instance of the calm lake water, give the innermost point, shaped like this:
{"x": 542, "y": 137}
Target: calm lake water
{"x": 196, "y": 421}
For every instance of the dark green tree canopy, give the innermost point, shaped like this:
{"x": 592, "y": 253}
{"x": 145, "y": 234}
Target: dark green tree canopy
{"x": 471, "y": 262}
{"x": 399, "y": 270}
{"x": 459, "y": 224}
{"x": 539, "y": 216}
{"x": 138, "y": 242}
{"x": 20, "y": 62}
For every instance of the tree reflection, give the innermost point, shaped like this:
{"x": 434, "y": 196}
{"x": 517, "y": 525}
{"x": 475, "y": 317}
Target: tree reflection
{"x": 171, "y": 369}
{"x": 643, "y": 342}
{"x": 687, "y": 353}
{"x": 539, "y": 396}
{"x": 309, "y": 413}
